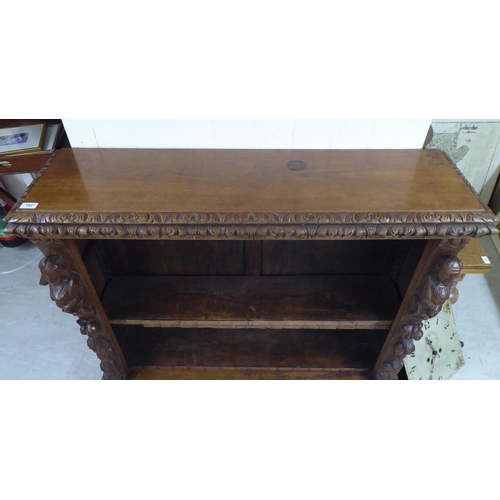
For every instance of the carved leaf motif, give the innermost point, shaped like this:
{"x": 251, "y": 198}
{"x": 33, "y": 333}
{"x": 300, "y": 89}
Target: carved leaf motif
{"x": 427, "y": 301}
{"x": 102, "y": 346}
{"x": 242, "y": 231}
{"x": 70, "y": 294}
{"x": 254, "y": 218}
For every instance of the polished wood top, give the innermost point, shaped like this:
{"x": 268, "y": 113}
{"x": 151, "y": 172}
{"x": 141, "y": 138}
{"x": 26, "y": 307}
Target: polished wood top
{"x": 144, "y": 186}
{"x": 121, "y": 180}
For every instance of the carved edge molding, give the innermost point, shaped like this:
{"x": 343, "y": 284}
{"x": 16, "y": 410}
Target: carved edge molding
{"x": 260, "y": 232}
{"x": 434, "y": 288}
{"x": 252, "y": 218}
{"x": 69, "y": 292}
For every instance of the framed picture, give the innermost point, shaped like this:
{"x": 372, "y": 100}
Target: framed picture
{"x": 22, "y": 139}
{"x": 51, "y": 136}
{"x": 52, "y": 133}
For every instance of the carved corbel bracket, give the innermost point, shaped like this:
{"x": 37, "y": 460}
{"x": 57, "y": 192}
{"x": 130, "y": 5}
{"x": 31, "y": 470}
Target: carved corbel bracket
{"x": 71, "y": 294}
{"x": 434, "y": 288}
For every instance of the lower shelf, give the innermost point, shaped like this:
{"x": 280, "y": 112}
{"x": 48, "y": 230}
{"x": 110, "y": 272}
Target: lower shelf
{"x": 213, "y": 373}
{"x": 180, "y": 353}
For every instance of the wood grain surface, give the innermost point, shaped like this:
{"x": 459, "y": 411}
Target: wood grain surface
{"x": 218, "y": 181}
{"x": 250, "y": 348}
{"x": 252, "y": 301}
{"x": 238, "y": 373}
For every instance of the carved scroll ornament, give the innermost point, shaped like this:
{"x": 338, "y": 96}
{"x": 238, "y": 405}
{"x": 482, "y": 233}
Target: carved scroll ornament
{"x": 70, "y": 294}
{"x": 230, "y": 218}
{"x": 426, "y": 303}
{"x": 243, "y": 231}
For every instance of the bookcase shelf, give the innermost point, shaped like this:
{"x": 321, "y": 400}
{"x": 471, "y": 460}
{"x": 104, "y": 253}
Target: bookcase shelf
{"x": 225, "y": 353}
{"x": 270, "y": 302}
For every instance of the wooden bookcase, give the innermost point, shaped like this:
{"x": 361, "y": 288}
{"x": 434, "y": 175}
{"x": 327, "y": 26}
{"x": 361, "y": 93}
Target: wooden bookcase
{"x": 261, "y": 264}
{"x": 323, "y": 306}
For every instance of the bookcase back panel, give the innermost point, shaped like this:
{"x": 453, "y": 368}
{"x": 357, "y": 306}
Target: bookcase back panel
{"x": 157, "y": 258}
{"x": 239, "y": 258}
{"x": 326, "y": 257}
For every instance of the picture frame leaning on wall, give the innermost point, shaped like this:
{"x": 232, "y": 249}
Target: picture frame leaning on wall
{"x": 28, "y": 138}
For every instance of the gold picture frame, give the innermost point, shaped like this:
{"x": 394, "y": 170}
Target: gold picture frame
{"x": 52, "y": 134}
{"x": 27, "y": 138}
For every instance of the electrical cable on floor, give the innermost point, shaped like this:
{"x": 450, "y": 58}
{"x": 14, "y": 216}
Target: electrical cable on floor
{"x": 24, "y": 265}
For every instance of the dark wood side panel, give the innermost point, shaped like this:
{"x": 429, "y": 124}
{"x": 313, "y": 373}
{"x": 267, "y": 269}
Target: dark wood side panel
{"x": 95, "y": 267}
{"x": 405, "y": 263}
{"x": 82, "y": 246}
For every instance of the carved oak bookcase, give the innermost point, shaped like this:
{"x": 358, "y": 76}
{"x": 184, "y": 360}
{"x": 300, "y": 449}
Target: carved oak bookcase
{"x": 258, "y": 264}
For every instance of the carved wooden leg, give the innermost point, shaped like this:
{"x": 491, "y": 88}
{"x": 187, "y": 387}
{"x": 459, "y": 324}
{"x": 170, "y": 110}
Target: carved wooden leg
{"x": 433, "y": 283}
{"x": 72, "y": 290}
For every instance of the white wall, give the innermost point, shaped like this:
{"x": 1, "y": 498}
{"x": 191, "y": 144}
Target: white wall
{"x": 243, "y": 134}
{"x": 238, "y": 134}
{"x": 16, "y": 184}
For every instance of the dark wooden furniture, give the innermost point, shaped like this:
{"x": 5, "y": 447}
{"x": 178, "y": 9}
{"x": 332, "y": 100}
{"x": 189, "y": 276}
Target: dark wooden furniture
{"x": 20, "y": 165}
{"x": 276, "y": 264}
{"x": 29, "y": 164}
